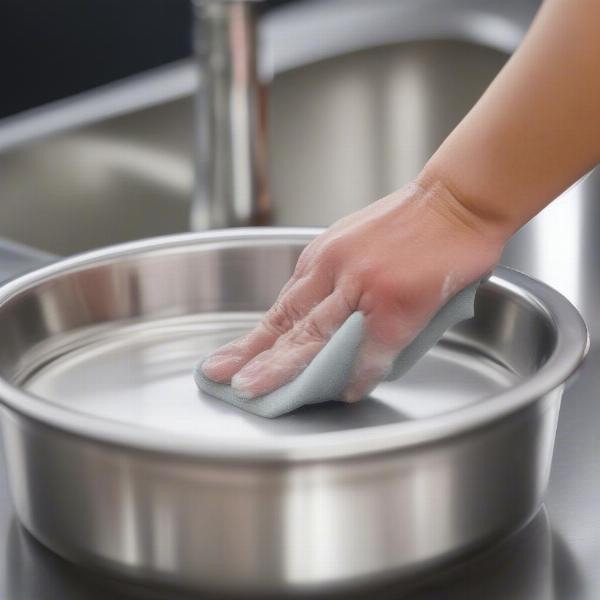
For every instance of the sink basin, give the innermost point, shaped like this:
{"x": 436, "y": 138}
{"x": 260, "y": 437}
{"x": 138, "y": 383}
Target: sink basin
{"x": 350, "y": 129}
{"x": 377, "y": 113}
{"x": 348, "y": 123}
{"x": 124, "y": 178}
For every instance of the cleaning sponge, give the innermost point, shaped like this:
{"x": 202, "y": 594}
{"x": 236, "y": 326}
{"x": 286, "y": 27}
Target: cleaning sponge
{"x": 327, "y": 376}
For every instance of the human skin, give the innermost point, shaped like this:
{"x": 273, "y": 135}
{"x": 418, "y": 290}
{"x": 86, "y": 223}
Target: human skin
{"x": 533, "y": 133}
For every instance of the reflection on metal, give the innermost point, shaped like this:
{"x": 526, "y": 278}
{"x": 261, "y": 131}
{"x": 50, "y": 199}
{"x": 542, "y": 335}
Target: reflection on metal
{"x": 230, "y": 146}
{"x": 534, "y": 564}
{"x": 350, "y": 129}
{"x": 556, "y": 252}
{"x": 100, "y": 347}
{"x": 561, "y": 247}
{"x": 154, "y": 87}
{"x": 302, "y": 33}
{"x": 123, "y": 178}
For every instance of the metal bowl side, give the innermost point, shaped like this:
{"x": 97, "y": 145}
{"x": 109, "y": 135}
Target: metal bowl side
{"x": 313, "y": 512}
{"x": 159, "y": 277}
{"x": 260, "y": 527}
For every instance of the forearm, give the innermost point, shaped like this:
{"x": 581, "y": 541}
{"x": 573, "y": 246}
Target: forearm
{"x": 536, "y": 129}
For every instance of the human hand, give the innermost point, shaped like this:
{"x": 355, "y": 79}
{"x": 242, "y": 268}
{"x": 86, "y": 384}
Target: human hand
{"x": 397, "y": 261}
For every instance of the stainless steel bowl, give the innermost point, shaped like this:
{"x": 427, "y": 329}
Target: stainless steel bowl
{"x": 116, "y": 461}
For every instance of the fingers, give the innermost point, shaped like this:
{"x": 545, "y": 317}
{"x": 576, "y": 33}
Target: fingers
{"x": 298, "y": 297}
{"x": 294, "y": 350}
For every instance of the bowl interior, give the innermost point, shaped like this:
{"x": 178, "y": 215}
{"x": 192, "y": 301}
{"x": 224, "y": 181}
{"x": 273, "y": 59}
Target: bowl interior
{"x": 115, "y": 336}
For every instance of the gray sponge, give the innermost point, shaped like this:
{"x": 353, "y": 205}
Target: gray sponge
{"x": 326, "y": 377}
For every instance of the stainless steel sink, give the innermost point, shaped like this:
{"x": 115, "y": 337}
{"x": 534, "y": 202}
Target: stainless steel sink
{"x": 342, "y": 132}
{"x": 352, "y": 114}
{"x": 120, "y": 179}
{"x": 347, "y": 130}
{"x": 376, "y": 114}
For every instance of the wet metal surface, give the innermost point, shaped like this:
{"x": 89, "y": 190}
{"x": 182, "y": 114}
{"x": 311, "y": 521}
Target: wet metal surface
{"x": 539, "y": 562}
{"x": 553, "y": 558}
{"x": 116, "y": 461}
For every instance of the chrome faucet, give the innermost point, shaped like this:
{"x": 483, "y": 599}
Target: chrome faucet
{"x": 231, "y": 134}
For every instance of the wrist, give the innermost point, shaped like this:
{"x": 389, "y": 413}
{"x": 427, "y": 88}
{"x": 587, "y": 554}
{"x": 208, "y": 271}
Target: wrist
{"x": 485, "y": 219}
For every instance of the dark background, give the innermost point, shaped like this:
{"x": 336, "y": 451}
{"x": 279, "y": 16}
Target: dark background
{"x": 50, "y": 49}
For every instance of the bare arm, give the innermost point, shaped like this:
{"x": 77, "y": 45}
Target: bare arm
{"x": 535, "y": 131}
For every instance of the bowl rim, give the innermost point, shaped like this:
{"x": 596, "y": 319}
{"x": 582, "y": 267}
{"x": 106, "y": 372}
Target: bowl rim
{"x": 572, "y": 345}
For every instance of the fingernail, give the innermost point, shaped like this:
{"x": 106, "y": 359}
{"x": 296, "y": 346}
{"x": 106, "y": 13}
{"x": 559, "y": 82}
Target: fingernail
{"x": 245, "y": 394}
{"x": 245, "y": 379}
{"x": 212, "y": 366}
{"x": 242, "y": 388}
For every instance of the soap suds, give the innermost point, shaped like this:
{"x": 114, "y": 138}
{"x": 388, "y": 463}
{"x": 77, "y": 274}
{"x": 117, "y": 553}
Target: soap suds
{"x": 448, "y": 286}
